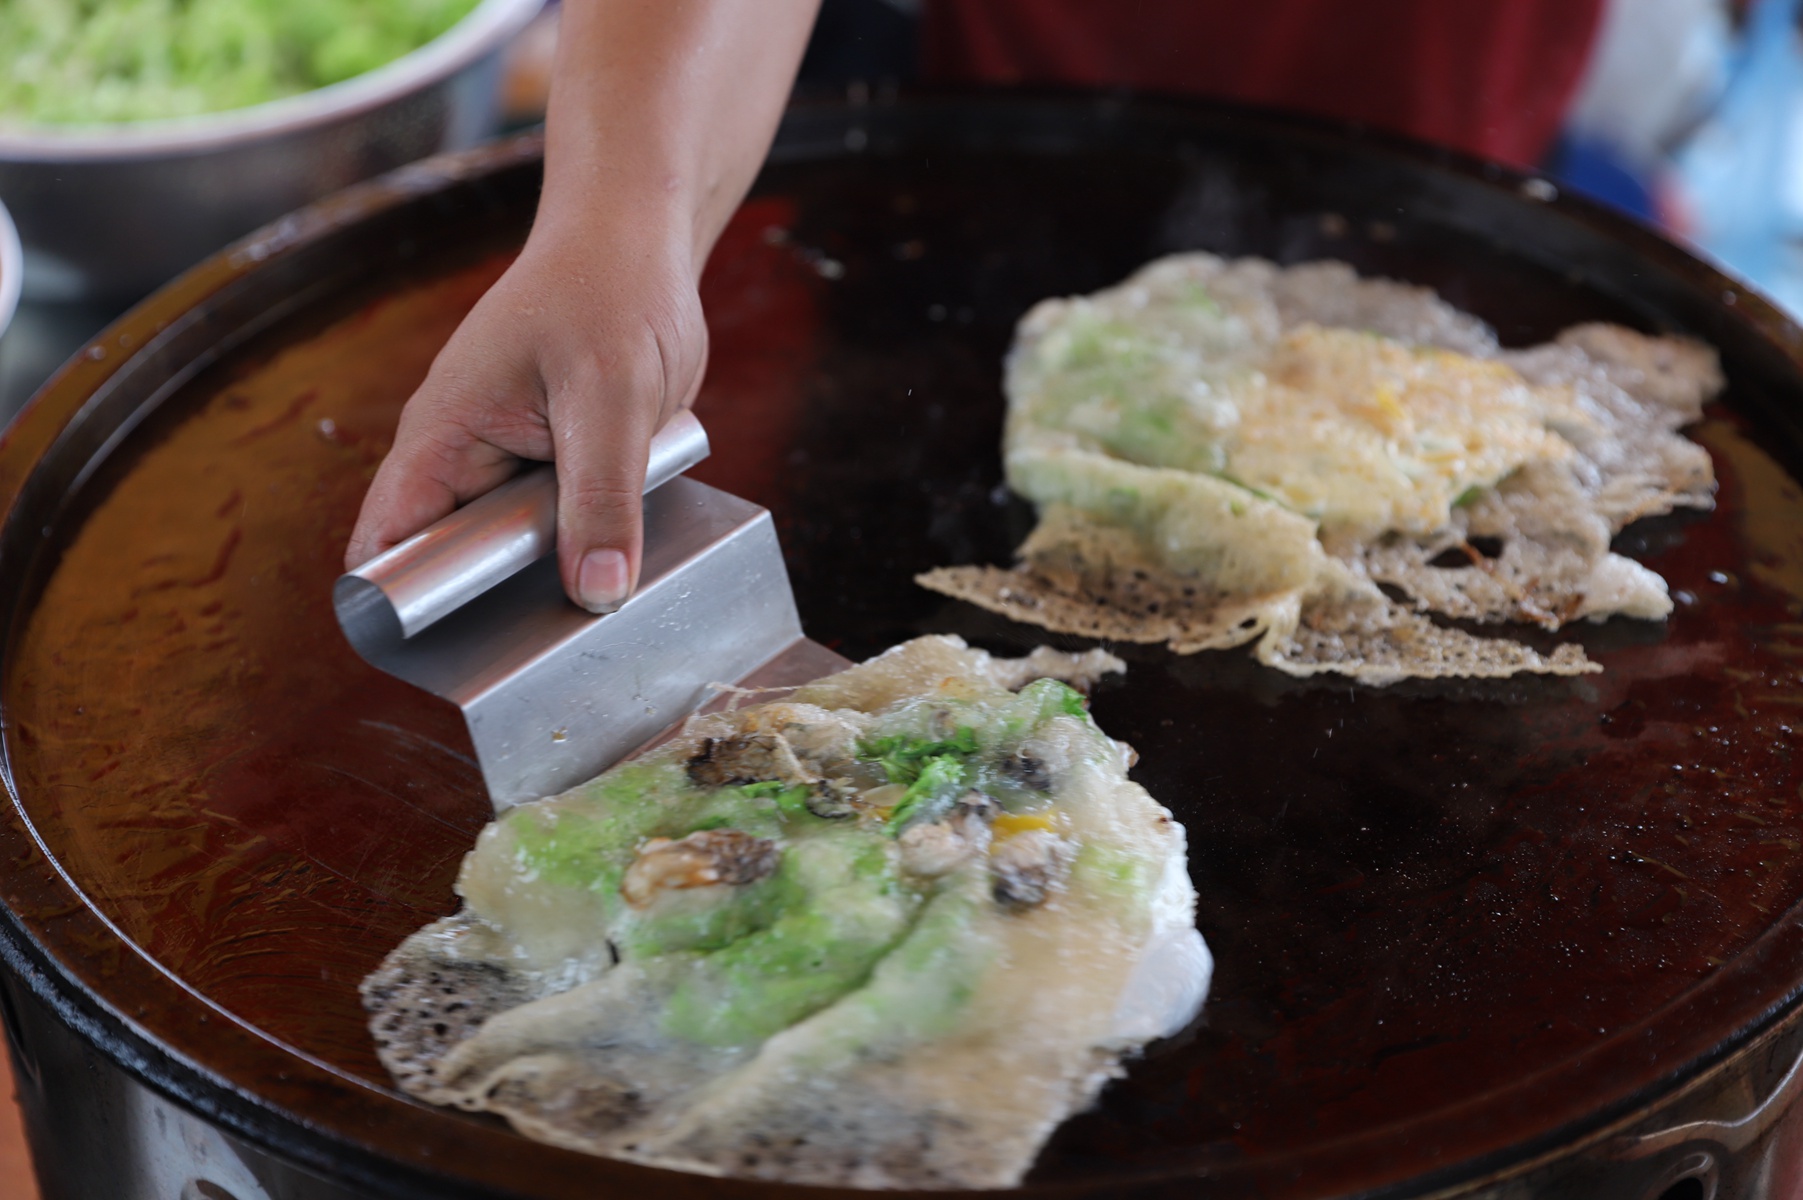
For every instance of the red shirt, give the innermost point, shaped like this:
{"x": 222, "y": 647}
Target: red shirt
{"x": 1490, "y": 77}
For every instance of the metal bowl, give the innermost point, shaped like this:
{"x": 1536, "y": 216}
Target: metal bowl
{"x": 12, "y": 268}
{"x": 110, "y": 212}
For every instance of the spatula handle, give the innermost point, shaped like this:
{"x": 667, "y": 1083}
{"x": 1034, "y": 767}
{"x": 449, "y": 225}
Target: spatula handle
{"x": 448, "y": 564}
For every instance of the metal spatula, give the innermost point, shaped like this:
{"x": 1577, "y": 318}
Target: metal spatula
{"x": 471, "y": 609}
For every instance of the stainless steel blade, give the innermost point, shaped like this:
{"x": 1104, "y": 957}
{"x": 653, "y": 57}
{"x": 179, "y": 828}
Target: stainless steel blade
{"x": 472, "y": 610}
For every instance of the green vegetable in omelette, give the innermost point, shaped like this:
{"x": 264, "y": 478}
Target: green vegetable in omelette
{"x": 85, "y": 62}
{"x": 828, "y": 897}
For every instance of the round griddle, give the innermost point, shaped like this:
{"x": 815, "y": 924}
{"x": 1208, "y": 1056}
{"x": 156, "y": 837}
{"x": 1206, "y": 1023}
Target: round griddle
{"x": 1460, "y": 927}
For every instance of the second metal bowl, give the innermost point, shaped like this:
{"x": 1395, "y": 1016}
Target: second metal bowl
{"x": 12, "y": 271}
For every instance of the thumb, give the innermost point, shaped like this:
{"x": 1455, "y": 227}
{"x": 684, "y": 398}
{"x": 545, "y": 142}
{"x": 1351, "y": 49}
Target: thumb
{"x": 600, "y": 454}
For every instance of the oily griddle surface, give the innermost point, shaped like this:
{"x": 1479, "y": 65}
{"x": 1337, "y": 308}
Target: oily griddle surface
{"x": 1419, "y": 897}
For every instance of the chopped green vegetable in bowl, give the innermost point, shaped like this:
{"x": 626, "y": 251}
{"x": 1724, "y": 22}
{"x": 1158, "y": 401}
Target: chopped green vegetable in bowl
{"x": 84, "y": 62}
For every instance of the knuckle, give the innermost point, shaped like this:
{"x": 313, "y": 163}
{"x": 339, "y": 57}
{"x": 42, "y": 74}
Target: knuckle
{"x": 605, "y": 497}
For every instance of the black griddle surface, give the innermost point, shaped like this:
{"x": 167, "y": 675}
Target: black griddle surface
{"x": 1453, "y": 922}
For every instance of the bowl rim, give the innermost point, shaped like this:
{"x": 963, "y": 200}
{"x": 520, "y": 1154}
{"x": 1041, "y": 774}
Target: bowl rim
{"x": 12, "y": 268}
{"x": 479, "y": 32}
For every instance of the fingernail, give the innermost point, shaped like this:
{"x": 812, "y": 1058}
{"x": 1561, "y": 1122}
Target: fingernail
{"x": 601, "y": 580}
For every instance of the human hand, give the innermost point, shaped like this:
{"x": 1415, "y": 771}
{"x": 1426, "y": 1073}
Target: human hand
{"x": 578, "y": 354}
{"x": 661, "y": 112}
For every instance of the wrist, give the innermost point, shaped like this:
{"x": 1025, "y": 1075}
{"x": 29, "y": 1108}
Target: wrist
{"x": 613, "y": 218}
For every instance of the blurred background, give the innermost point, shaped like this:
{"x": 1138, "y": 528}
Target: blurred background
{"x": 1686, "y": 113}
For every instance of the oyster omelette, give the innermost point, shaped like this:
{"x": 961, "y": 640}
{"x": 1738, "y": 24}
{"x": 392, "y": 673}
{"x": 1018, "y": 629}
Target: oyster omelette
{"x": 1226, "y": 452}
{"x": 886, "y": 932}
